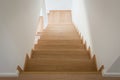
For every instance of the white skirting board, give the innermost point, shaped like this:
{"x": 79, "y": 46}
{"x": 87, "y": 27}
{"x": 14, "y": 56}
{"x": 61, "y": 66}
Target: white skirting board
{"x": 111, "y": 74}
{"x": 9, "y": 74}
{"x": 16, "y": 75}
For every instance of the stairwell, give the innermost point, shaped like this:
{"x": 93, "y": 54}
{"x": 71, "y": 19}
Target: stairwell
{"x": 60, "y": 53}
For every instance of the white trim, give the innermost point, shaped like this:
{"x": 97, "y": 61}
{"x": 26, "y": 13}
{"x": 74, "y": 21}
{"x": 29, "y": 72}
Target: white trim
{"x": 111, "y": 74}
{"x": 9, "y": 74}
{"x": 105, "y": 73}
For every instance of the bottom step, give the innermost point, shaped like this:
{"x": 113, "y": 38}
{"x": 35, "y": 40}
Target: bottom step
{"x": 60, "y": 76}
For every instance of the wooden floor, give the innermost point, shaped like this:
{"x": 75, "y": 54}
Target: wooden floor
{"x": 8, "y": 78}
{"x": 107, "y": 78}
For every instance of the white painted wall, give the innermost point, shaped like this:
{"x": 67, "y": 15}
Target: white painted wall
{"x": 59, "y": 4}
{"x": 80, "y": 19}
{"x": 116, "y": 66}
{"x": 99, "y": 23}
{"x": 45, "y": 14}
{"x": 18, "y": 24}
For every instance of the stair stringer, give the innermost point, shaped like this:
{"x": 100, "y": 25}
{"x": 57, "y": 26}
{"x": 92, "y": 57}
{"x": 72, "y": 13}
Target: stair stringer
{"x": 88, "y": 48}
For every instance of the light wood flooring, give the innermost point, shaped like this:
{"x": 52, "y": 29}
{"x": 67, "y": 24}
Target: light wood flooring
{"x": 107, "y": 78}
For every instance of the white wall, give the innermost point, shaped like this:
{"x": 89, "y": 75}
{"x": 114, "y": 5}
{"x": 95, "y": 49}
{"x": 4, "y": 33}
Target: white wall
{"x": 116, "y": 66}
{"x": 59, "y": 4}
{"x": 45, "y": 15}
{"x": 80, "y": 19}
{"x": 101, "y": 24}
{"x": 18, "y": 24}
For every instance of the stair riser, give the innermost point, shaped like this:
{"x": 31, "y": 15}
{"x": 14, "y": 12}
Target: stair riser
{"x": 60, "y": 56}
{"x": 54, "y": 69}
{"x": 64, "y": 51}
{"x": 60, "y": 33}
{"x": 60, "y": 38}
{"x": 60, "y": 30}
{"x": 59, "y": 47}
{"x": 59, "y": 42}
{"x": 63, "y": 68}
{"x": 62, "y": 62}
{"x": 51, "y": 43}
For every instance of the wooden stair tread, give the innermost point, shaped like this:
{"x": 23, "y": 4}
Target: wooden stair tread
{"x": 55, "y": 42}
{"x": 81, "y": 50}
{"x": 52, "y": 42}
{"x": 56, "y": 66}
{"x": 60, "y": 54}
{"x": 59, "y": 38}
{"x": 50, "y": 68}
{"x": 59, "y": 46}
{"x": 31, "y": 75}
{"x": 65, "y": 60}
{"x": 60, "y": 61}
{"x": 66, "y": 51}
{"x": 60, "y": 35}
{"x": 65, "y": 72}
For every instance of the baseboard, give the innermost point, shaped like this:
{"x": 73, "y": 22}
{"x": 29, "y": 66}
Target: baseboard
{"x": 111, "y": 74}
{"x": 9, "y": 74}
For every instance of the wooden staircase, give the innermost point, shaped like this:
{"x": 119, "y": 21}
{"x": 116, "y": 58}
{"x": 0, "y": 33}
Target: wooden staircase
{"x": 60, "y": 53}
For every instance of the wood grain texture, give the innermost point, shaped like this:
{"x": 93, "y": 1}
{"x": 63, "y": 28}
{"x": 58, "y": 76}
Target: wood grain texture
{"x": 63, "y": 76}
{"x": 60, "y": 17}
{"x": 60, "y": 54}
{"x": 8, "y": 78}
{"x": 31, "y": 77}
{"x": 60, "y": 35}
{"x": 60, "y": 48}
